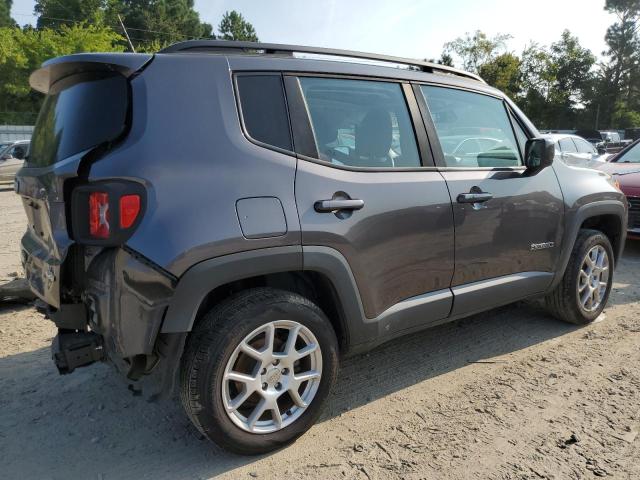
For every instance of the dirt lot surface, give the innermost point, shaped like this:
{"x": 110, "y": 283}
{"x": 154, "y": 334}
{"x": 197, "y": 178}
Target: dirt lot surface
{"x": 508, "y": 394}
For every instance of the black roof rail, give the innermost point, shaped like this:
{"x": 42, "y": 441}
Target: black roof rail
{"x": 229, "y": 46}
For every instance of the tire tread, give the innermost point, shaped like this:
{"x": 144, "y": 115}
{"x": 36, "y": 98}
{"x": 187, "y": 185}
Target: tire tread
{"x": 560, "y": 302}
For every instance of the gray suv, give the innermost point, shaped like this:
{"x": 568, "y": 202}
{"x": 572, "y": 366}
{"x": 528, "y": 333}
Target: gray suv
{"x": 228, "y": 219}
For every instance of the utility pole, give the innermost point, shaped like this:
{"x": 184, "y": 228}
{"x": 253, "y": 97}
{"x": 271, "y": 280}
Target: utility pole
{"x": 126, "y": 34}
{"x": 597, "y": 117}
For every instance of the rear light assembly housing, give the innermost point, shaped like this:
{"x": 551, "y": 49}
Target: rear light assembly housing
{"x": 106, "y": 213}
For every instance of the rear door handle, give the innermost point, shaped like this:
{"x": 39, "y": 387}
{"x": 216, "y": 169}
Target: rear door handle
{"x": 474, "y": 197}
{"x": 324, "y": 206}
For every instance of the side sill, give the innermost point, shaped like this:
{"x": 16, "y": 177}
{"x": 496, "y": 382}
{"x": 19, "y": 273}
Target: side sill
{"x": 486, "y": 294}
{"x": 429, "y": 310}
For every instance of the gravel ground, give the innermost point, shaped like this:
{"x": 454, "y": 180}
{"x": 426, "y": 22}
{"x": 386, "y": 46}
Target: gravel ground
{"x": 507, "y": 394}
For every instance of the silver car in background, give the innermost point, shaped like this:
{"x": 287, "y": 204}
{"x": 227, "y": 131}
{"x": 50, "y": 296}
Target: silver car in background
{"x": 12, "y": 156}
{"x": 575, "y": 151}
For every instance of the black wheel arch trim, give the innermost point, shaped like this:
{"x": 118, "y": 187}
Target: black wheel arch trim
{"x": 574, "y": 221}
{"x": 202, "y": 278}
{"x": 193, "y": 287}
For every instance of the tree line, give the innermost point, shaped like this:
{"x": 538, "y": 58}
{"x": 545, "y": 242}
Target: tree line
{"x": 564, "y": 85}
{"x": 64, "y": 27}
{"x": 560, "y": 86}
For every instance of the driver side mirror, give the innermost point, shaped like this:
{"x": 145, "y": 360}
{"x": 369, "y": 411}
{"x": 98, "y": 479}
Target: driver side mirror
{"x": 6, "y": 156}
{"x": 538, "y": 153}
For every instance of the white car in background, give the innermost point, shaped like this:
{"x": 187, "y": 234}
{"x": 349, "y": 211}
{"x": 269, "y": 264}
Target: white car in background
{"x": 12, "y": 157}
{"x": 576, "y": 151}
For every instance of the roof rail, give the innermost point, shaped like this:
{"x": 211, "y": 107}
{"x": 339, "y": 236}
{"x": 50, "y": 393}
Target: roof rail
{"x": 229, "y": 46}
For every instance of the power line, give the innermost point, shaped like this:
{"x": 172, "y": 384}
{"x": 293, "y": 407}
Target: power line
{"x": 65, "y": 7}
{"x": 95, "y": 24}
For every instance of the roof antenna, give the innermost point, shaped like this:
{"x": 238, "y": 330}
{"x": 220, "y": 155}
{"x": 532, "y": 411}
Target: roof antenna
{"x": 126, "y": 34}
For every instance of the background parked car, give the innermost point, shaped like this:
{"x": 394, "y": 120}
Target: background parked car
{"x": 12, "y": 157}
{"x": 606, "y": 141}
{"x": 625, "y": 167}
{"x": 574, "y": 150}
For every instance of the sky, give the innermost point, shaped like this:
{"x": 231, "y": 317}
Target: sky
{"x": 406, "y": 28}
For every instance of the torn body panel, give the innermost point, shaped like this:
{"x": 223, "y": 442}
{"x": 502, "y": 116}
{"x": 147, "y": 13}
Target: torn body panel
{"x": 127, "y": 299}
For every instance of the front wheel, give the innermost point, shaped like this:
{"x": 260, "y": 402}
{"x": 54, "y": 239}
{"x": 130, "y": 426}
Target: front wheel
{"x": 584, "y": 289}
{"x": 257, "y": 370}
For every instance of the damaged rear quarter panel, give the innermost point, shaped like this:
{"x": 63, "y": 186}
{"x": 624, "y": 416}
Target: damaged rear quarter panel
{"x": 127, "y": 299}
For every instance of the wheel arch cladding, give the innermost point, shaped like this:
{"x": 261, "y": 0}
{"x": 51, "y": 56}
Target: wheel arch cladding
{"x": 325, "y": 278}
{"x": 607, "y": 216}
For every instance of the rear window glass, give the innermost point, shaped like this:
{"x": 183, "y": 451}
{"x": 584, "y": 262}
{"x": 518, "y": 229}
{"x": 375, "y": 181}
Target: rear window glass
{"x": 264, "y": 111}
{"x": 79, "y": 112}
{"x": 584, "y": 146}
{"x": 567, "y": 145}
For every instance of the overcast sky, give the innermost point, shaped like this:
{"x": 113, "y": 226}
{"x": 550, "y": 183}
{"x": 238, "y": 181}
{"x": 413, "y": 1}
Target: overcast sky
{"x": 408, "y": 28}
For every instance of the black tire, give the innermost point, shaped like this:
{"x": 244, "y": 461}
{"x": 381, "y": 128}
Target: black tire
{"x": 213, "y": 341}
{"x": 563, "y": 302}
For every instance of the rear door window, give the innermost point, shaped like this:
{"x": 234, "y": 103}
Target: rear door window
{"x": 474, "y": 129}
{"x": 583, "y": 146}
{"x": 360, "y": 123}
{"x": 80, "y": 112}
{"x": 264, "y": 111}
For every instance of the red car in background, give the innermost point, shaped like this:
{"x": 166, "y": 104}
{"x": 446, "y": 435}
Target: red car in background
{"x": 624, "y": 166}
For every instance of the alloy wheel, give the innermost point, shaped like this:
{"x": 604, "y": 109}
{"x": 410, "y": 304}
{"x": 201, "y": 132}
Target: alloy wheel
{"x": 272, "y": 377}
{"x": 594, "y": 278}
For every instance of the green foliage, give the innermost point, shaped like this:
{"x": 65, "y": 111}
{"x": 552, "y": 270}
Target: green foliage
{"x": 557, "y": 83}
{"x": 503, "y": 72}
{"x": 23, "y": 51}
{"x": 624, "y": 117}
{"x": 58, "y": 13}
{"x": 5, "y": 14}
{"x": 571, "y": 66}
{"x": 561, "y": 86}
{"x": 233, "y": 26}
{"x": 161, "y": 21}
{"x": 618, "y": 88}
{"x": 446, "y": 59}
{"x": 150, "y": 23}
{"x": 477, "y": 49}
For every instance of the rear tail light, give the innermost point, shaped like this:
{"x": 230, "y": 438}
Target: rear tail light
{"x": 129, "y": 209}
{"x": 99, "y": 215}
{"x": 106, "y": 213}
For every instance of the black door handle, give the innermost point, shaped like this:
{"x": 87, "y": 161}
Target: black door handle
{"x": 474, "y": 197}
{"x": 334, "y": 205}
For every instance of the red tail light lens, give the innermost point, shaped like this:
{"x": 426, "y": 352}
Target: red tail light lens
{"x": 129, "y": 210}
{"x": 106, "y": 213}
{"x": 99, "y": 215}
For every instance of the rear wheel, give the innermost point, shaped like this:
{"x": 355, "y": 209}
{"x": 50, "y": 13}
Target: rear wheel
{"x": 257, "y": 370}
{"x": 584, "y": 289}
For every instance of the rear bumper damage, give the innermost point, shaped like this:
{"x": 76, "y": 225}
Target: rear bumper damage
{"x": 118, "y": 318}
{"x": 126, "y": 299}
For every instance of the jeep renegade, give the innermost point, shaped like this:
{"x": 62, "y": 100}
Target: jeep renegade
{"x": 230, "y": 218}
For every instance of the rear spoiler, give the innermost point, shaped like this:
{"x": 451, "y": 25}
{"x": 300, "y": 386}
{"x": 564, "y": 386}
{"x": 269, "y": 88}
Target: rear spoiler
{"x": 60, "y": 67}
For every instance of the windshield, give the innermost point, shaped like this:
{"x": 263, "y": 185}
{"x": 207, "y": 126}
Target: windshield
{"x": 631, "y": 156}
